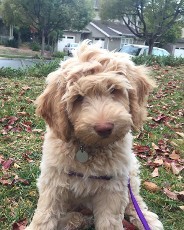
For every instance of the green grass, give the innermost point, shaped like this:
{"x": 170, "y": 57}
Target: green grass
{"x": 18, "y": 193}
{"x": 22, "y": 52}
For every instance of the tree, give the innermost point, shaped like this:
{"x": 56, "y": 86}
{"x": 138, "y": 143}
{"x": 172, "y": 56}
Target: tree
{"x": 46, "y": 16}
{"x": 146, "y": 19}
{"x": 12, "y": 16}
{"x": 172, "y": 35}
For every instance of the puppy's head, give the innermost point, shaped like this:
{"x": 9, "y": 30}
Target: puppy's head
{"x": 95, "y": 97}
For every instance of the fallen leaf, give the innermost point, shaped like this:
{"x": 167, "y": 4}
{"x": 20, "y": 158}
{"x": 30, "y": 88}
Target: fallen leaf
{"x": 167, "y": 165}
{"x": 141, "y": 149}
{"x": 171, "y": 195}
{"x": 26, "y": 87}
{"x": 23, "y": 114}
{"x": 160, "y": 118}
{"x": 174, "y": 156}
{"x": 16, "y": 165}
{"x": 27, "y": 125}
{"x": 37, "y": 130}
{"x": 29, "y": 100}
{"x": 20, "y": 225}
{"x": 158, "y": 161}
{"x": 6, "y": 129}
{"x": 7, "y": 164}
{"x": 128, "y": 226}
{"x": 5, "y": 181}
{"x": 155, "y": 173}
{"x": 12, "y": 120}
{"x": 180, "y": 197}
{"x": 181, "y": 207}
{"x": 176, "y": 168}
{"x": 155, "y": 146}
{"x": 180, "y": 134}
{"x": 152, "y": 187}
{"x": 22, "y": 181}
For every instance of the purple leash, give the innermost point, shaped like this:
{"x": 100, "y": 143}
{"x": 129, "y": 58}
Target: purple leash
{"x": 137, "y": 208}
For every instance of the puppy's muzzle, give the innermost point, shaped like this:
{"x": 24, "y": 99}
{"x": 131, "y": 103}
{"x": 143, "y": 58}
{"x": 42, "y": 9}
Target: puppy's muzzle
{"x": 104, "y": 129}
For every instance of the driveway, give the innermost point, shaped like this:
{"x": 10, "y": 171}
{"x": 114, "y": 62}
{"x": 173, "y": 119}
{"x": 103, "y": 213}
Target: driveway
{"x": 17, "y": 63}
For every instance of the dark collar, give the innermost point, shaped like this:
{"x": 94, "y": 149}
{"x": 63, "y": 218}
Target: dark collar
{"x": 105, "y": 177}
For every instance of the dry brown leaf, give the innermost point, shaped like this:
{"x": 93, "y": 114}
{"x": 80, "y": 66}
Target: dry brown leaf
{"x": 20, "y": 225}
{"x": 23, "y": 113}
{"x": 176, "y": 168}
{"x": 16, "y": 165}
{"x": 174, "y": 156}
{"x": 180, "y": 134}
{"x": 167, "y": 165}
{"x": 155, "y": 173}
{"x": 37, "y": 130}
{"x": 128, "y": 226}
{"x": 158, "y": 161}
{"x": 155, "y": 146}
{"x": 152, "y": 187}
{"x": 181, "y": 193}
{"x": 26, "y": 87}
{"x": 181, "y": 207}
{"x": 171, "y": 195}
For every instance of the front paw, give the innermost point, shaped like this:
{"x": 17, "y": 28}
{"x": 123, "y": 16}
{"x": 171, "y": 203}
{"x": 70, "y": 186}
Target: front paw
{"x": 109, "y": 224}
{"x": 75, "y": 222}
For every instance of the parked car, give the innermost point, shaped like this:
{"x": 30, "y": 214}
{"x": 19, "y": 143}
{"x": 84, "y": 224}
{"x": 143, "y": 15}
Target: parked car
{"x": 137, "y": 50}
{"x": 70, "y": 47}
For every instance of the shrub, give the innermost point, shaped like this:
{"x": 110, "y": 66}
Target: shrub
{"x": 59, "y": 54}
{"x": 10, "y": 72}
{"x": 35, "y": 46}
{"x": 158, "y": 60}
{"x": 41, "y": 69}
{"x": 12, "y": 43}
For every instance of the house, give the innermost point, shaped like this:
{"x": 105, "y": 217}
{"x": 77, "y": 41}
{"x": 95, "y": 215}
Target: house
{"x": 111, "y": 35}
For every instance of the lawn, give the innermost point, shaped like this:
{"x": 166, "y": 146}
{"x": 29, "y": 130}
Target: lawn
{"x": 23, "y": 51}
{"x": 159, "y": 146}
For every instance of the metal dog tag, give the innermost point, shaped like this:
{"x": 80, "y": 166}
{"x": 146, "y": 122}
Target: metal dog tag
{"x": 82, "y": 156}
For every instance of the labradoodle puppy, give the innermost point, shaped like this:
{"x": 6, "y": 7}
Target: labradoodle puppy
{"x": 90, "y": 105}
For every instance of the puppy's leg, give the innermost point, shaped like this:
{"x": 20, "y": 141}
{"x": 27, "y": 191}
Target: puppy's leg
{"x": 108, "y": 209}
{"x": 52, "y": 203}
{"x": 151, "y": 217}
{"x": 74, "y": 221}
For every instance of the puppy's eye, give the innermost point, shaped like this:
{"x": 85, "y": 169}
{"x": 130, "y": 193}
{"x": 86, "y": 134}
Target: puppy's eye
{"x": 112, "y": 90}
{"x": 79, "y": 98}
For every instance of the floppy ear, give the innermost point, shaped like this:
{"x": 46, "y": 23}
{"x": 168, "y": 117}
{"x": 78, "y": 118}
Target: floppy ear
{"x": 142, "y": 86}
{"x": 51, "y": 107}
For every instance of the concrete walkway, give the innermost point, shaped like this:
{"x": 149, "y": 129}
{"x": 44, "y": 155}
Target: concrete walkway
{"x": 17, "y": 63}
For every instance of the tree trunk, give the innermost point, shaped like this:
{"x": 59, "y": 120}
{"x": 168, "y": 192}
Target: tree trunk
{"x": 19, "y": 38}
{"x": 43, "y": 43}
{"x": 150, "y": 44}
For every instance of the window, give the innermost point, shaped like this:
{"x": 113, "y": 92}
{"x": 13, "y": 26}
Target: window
{"x": 70, "y": 37}
{"x": 157, "y": 52}
{"x": 96, "y": 4}
{"x": 132, "y": 50}
{"x": 125, "y": 41}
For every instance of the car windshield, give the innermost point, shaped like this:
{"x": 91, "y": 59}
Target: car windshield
{"x": 132, "y": 50}
{"x": 74, "y": 45}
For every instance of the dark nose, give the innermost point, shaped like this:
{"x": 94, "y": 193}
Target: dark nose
{"x": 104, "y": 129}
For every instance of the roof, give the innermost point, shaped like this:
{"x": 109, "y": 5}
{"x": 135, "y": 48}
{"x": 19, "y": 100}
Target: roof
{"x": 112, "y": 29}
{"x": 180, "y": 40}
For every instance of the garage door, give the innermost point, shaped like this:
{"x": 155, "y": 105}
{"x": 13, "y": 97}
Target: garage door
{"x": 64, "y": 41}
